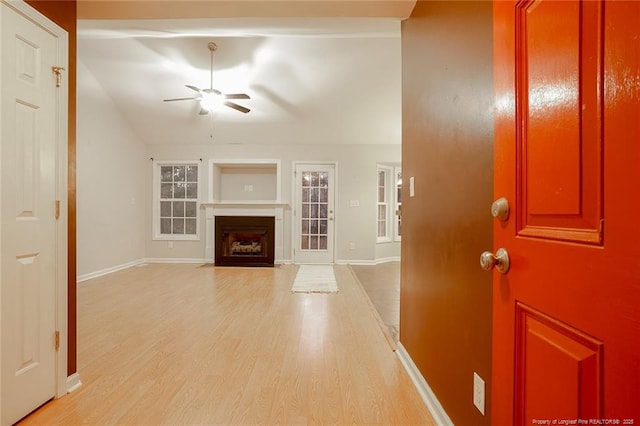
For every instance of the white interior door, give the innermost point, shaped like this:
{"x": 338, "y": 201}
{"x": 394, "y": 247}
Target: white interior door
{"x": 29, "y": 138}
{"x": 314, "y": 213}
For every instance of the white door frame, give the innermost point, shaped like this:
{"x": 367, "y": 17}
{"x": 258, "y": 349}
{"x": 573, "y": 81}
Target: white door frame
{"x": 294, "y": 165}
{"x": 62, "y": 102}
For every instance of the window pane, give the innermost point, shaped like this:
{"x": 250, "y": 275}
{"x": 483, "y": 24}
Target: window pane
{"x": 165, "y": 208}
{"x": 323, "y": 243}
{"x": 382, "y": 211}
{"x": 190, "y": 226}
{"x": 324, "y": 180}
{"x": 304, "y": 242}
{"x": 323, "y": 211}
{"x": 165, "y": 226}
{"x": 192, "y": 190}
{"x": 381, "y": 177}
{"x": 190, "y": 209}
{"x": 165, "y": 174}
{"x": 179, "y": 173}
{"x": 166, "y": 190}
{"x": 323, "y": 227}
{"x": 324, "y": 195}
{"x": 305, "y": 210}
{"x": 192, "y": 173}
{"x": 305, "y": 226}
{"x": 306, "y": 179}
{"x": 178, "y": 226}
{"x": 179, "y": 190}
{"x": 178, "y": 209}
{"x": 381, "y": 197}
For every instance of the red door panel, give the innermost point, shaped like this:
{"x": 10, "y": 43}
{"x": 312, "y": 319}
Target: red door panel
{"x": 559, "y": 91}
{"x": 566, "y": 316}
{"x": 558, "y": 370}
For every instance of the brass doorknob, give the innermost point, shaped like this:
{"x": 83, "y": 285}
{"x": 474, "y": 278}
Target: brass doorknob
{"x": 500, "y": 261}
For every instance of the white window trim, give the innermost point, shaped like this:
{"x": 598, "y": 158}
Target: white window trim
{"x": 397, "y": 205}
{"x": 157, "y": 236}
{"x": 389, "y": 172}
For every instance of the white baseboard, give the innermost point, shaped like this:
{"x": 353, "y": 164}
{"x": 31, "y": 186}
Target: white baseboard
{"x": 427, "y": 395}
{"x": 354, "y": 262}
{"x": 388, "y": 259}
{"x": 73, "y": 382}
{"x": 283, "y": 262}
{"x": 96, "y": 274}
{"x": 175, "y": 260}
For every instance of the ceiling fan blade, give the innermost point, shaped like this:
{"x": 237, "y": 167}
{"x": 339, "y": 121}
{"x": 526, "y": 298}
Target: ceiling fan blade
{"x": 203, "y": 112}
{"x": 217, "y": 92}
{"x": 179, "y": 99}
{"x": 237, "y": 107}
{"x": 237, "y": 96}
{"x": 194, "y": 88}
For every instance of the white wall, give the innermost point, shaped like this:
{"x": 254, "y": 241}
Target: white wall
{"x": 356, "y": 177}
{"x": 111, "y": 178}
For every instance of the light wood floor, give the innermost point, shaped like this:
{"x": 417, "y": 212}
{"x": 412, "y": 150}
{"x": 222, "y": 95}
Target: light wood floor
{"x": 382, "y": 285}
{"x": 187, "y": 344}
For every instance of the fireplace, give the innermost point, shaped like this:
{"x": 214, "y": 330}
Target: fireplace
{"x": 244, "y": 240}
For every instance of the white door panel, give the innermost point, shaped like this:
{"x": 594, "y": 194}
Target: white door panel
{"x": 28, "y": 189}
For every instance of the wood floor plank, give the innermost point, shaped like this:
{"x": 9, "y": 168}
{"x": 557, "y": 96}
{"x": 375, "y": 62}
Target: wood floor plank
{"x": 190, "y": 344}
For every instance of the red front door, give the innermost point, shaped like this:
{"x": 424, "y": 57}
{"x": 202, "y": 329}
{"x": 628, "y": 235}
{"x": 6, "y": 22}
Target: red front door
{"x": 566, "y": 323}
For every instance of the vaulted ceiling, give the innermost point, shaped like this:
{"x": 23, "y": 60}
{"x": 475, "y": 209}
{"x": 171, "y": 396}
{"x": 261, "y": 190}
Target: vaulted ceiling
{"x": 316, "y": 71}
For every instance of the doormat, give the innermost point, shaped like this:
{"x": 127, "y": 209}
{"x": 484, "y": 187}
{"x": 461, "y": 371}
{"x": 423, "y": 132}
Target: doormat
{"x": 315, "y": 279}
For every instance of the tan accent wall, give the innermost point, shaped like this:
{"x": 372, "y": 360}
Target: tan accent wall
{"x": 63, "y": 13}
{"x": 447, "y": 146}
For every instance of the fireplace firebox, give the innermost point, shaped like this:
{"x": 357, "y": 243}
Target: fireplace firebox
{"x": 244, "y": 240}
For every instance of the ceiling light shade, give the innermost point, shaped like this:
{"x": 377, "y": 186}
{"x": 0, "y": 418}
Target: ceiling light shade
{"x": 211, "y": 101}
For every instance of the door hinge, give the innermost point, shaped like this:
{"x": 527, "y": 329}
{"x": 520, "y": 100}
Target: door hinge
{"x": 58, "y": 73}
{"x": 601, "y": 227}
{"x": 57, "y": 340}
{"x": 57, "y": 210}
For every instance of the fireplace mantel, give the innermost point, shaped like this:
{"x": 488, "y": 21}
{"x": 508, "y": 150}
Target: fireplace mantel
{"x": 243, "y": 208}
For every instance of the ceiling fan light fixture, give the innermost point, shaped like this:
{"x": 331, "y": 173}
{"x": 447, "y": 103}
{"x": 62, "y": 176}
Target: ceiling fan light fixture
{"x": 211, "y": 101}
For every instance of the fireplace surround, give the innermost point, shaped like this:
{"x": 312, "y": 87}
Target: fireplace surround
{"x": 244, "y": 240}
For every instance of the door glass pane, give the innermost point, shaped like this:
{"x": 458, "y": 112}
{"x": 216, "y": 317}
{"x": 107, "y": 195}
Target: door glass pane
{"x": 305, "y": 195}
{"x": 304, "y": 242}
{"x": 305, "y": 210}
{"x": 323, "y": 227}
{"x": 314, "y": 227}
{"x": 314, "y": 210}
{"x": 323, "y": 242}
{"x": 314, "y": 179}
{"x": 314, "y": 195}
{"x": 323, "y": 211}
{"x": 305, "y": 226}
{"x": 313, "y": 243}
{"x": 324, "y": 180}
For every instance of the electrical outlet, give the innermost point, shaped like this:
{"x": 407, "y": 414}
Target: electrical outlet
{"x": 478, "y": 392}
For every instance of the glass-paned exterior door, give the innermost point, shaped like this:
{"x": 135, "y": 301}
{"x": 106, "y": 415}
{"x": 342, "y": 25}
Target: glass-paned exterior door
{"x": 314, "y": 213}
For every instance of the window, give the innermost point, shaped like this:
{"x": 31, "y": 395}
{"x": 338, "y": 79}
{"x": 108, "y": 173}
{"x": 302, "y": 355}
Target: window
{"x": 384, "y": 173}
{"x": 389, "y": 203}
{"x": 176, "y": 200}
{"x": 398, "y": 204}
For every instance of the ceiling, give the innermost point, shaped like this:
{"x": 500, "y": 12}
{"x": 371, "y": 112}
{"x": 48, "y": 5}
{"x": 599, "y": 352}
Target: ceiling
{"x": 330, "y": 75}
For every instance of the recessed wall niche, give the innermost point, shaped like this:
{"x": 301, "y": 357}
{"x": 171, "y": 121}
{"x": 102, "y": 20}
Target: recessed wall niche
{"x": 244, "y": 181}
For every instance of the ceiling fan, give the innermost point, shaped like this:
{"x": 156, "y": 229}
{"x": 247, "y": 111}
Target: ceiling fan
{"x": 211, "y": 99}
